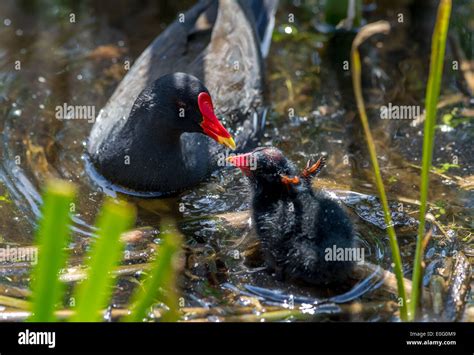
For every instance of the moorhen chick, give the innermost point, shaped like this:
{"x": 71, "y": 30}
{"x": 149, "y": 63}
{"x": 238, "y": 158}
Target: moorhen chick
{"x": 295, "y": 224}
{"x": 156, "y": 133}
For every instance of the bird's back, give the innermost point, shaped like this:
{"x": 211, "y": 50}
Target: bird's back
{"x": 296, "y": 233}
{"x": 323, "y": 226}
{"x": 217, "y": 42}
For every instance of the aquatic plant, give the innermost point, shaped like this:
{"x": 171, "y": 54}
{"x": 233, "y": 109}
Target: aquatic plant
{"x": 407, "y": 309}
{"x": 93, "y": 294}
{"x": 367, "y": 31}
{"x": 161, "y": 282}
{"x": 52, "y": 236}
{"x": 438, "y": 46}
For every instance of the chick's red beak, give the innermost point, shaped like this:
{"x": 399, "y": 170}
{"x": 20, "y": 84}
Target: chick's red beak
{"x": 242, "y": 162}
{"x": 211, "y": 125}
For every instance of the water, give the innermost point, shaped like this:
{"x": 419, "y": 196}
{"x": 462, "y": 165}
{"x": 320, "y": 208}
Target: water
{"x": 65, "y": 52}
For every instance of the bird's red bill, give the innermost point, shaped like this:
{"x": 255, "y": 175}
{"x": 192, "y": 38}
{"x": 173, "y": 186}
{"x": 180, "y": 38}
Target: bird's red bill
{"x": 242, "y": 162}
{"x": 211, "y": 125}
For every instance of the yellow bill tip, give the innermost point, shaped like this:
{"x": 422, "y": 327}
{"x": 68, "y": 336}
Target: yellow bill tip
{"x": 228, "y": 142}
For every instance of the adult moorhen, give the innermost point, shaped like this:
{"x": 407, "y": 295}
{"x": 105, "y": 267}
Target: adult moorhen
{"x": 298, "y": 227}
{"x": 153, "y": 136}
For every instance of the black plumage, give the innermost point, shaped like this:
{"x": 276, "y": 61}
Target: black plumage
{"x": 159, "y": 146}
{"x": 138, "y": 141}
{"x": 298, "y": 226}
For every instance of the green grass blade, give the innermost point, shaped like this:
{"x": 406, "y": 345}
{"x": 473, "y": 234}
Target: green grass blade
{"x": 438, "y": 46}
{"x": 93, "y": 294}
{"x": 160, "y": 284}
{"x": 52, "y": 237}
{"x": 356, "y": 80}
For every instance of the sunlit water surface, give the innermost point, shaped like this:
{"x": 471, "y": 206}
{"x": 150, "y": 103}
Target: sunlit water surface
{"x": 46, "y": 60}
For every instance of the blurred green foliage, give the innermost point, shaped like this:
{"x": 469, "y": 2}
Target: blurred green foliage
{"x": 94, "y": 293}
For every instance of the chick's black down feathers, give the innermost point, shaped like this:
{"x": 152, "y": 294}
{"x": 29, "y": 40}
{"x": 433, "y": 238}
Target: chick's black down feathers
{"x": 299, "y": 228}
